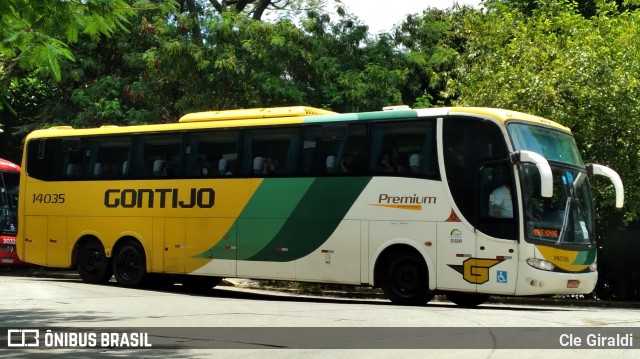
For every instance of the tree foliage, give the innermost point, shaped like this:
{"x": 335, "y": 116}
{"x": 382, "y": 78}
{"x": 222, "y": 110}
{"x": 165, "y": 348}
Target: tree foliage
{"x": 581, "y": 72}
{"x": 587, "y": 8}
{"x": 35, "y": 34}
{"x": 431, "y": 54}
{"x": 166, "y": 64}
{"x": 256, "y": 9}
{"x": 35, "y": 38}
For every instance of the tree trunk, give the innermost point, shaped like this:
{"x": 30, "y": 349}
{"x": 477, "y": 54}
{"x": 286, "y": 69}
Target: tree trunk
{"x": 195, "y": 21}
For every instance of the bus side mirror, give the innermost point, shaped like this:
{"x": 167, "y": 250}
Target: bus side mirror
{"x": 546, "y": 177}
{"x": 594, "y": 169}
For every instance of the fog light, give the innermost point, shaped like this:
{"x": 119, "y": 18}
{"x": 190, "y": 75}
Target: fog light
{"x": 541, "y": 264}
{"x": 573, "y": 283}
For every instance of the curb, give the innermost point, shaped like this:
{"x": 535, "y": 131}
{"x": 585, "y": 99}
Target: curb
{"x": 377, "y": 294}
{"x": 355, "y": 294}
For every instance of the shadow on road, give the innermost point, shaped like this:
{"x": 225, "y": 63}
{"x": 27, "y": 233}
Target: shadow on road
{"x": 229, "y": 291}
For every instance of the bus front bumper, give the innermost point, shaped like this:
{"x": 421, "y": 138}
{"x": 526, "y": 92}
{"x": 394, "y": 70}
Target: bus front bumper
{"x": 532, "y": 281}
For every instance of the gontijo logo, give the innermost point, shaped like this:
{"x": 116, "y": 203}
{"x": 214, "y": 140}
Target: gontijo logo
{"x": 475, "y": 270}
{"x": 414, "y": 202}
{"x": 159, "y": 198}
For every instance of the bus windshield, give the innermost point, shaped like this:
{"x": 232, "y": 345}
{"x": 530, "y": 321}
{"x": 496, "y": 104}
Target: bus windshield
{"x": 564, "y": 219}
{"x": 9, "y": 182}
{"x": 552, "y": 144}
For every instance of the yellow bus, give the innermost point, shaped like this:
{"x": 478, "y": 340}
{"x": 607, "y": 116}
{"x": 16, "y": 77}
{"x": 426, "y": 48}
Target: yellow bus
{"x": 467, "y": 202}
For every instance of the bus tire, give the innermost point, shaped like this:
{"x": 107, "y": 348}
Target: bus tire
{"x": 467, "y": 300}
{"x": 92, "y": 263}
{"x": 405, "y": 278}
{"x": 130, "y": 264}
{"x": 200, "y": 283}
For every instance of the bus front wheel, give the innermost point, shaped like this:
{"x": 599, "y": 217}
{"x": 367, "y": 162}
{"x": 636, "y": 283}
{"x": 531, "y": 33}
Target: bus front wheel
{"x": 129, "y": 264}
{"x": 93, "y": 265}
{"x": 467, "y": 300}
{"x": 405, "y": 279}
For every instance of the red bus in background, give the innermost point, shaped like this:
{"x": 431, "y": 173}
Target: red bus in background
{"x": 9, "y": 181}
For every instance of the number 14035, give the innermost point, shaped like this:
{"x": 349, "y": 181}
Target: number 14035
{"x": 48, "y": 198}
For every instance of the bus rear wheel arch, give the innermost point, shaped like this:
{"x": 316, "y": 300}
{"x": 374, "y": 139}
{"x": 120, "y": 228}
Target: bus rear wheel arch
{"x": 129, "y": 263}
{"x": 403, "y": 275}
{"x": 92, "y": 263}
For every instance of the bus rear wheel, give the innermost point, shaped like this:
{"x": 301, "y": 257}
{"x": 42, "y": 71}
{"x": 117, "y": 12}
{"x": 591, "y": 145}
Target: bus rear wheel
{"x": 93, "y": 265}
{"x": 130, "y": 264}
{"x": 467, "y": 300}
{"x": 405, "y": 279}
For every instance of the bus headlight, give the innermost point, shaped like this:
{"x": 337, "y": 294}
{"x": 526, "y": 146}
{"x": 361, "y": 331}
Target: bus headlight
{"x": 593, "y": 266}
{"x": 540, "y": 264}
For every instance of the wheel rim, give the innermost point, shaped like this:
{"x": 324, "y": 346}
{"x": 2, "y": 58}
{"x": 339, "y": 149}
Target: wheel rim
{"x": 406, "y": 278}
{"x": 92, "y": 261}
{"x": 129, "y": 264}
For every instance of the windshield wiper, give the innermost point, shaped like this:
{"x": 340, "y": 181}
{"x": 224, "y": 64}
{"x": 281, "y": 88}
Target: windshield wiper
{"x": 565, "y": 220}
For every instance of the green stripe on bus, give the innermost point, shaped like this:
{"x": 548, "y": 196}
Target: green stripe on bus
{"x": 585, "y": 257}
{"x": 262, "y": 218}
{"x": 267, "y": 211}
{"x": 378, "y": 115}
{"x": 315, "y": 218}
{"x": 331, "y": 118}
{"x": 276, "y": 198}
{"x": 388, "y": 115}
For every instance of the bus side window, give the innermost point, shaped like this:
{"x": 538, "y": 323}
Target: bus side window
{"x": 211, "y": 153}
{"x": 41, "y": 157}
{"x": 158, "y": 167}
{"x": 158, "y": 156}
{"x": 353, "y": 157}
{"x": 227, "y": 167}
{"x": 272, "y": 152}
{"x": 258, "y": 164}
{"x": 497, "y": 204}
{"x": 404, "y": 149}
{"x": 331, "y": 164}
{"x": 70, "y": 161}
{"x": 73, "y": 171}
{"x": 332, "y": 150}
{"x": 318, "y": 152}
{"x": 201, "y": 168}
{"x": 105, "y": 157}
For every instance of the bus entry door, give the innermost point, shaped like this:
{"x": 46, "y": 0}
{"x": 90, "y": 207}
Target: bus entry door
{"x": 496, "y": 268}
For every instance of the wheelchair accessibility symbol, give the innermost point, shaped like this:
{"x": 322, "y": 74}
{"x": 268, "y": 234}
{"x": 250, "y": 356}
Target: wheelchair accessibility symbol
{"x": 502, "y": 276}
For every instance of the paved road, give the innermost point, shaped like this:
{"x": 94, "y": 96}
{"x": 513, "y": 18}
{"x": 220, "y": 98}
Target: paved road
{"x": 69, "y": 303}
